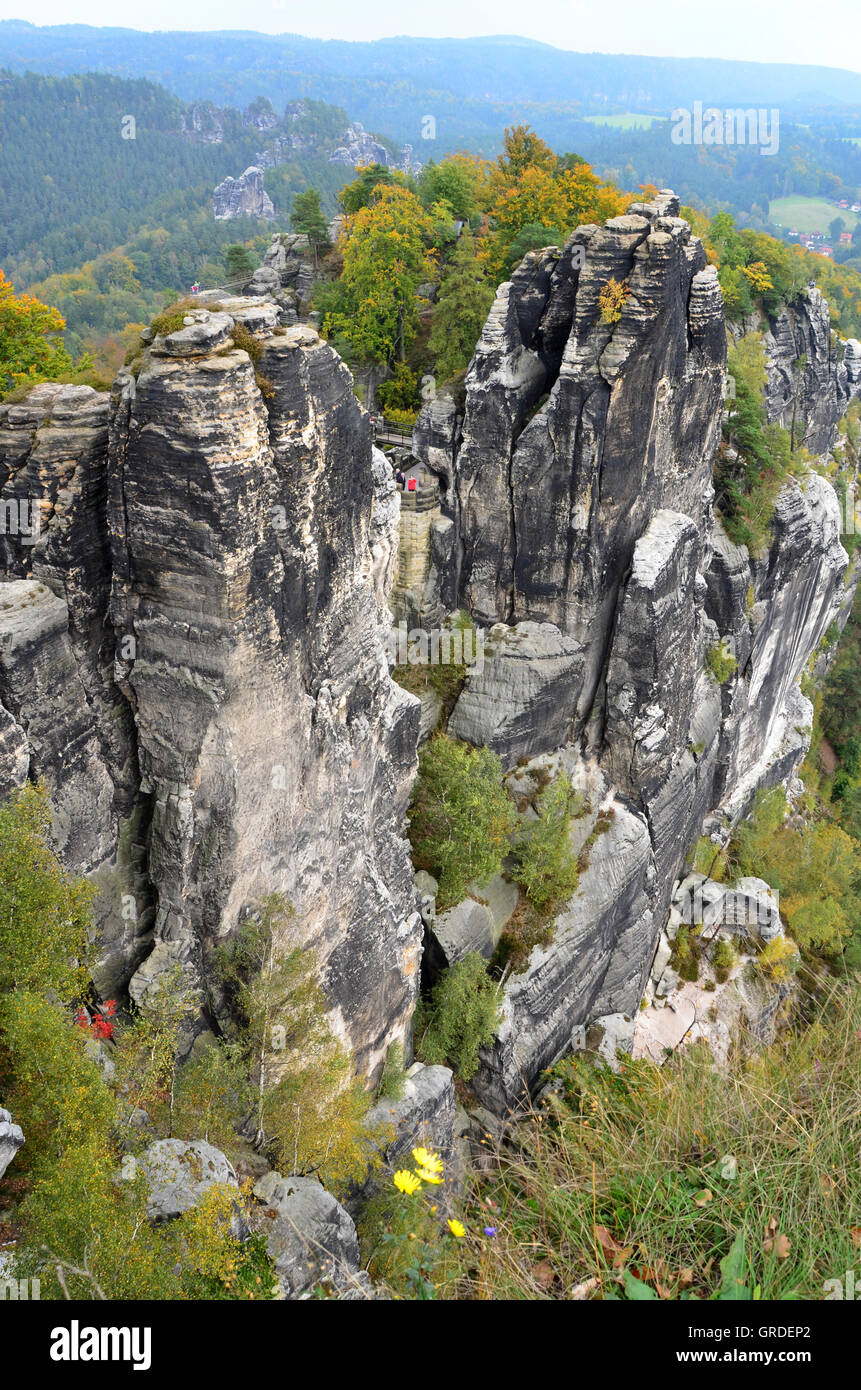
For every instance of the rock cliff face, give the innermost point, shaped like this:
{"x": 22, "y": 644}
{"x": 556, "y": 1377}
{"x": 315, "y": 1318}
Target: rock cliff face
{"x": 360, "y": 147}
{"x": 578, "y": 485}
{"x": 195, "y": 659}
{"x": 810, "y": 379}
{"x": 242, "y": 197}
{"x": 196, "y": 575}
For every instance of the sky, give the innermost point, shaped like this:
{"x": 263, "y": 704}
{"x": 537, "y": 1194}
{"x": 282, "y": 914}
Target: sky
{"x": 790, "y": 31}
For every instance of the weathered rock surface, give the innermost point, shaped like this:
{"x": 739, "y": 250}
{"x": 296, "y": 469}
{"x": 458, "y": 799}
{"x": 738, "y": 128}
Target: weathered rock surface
{"x": 311, "y": 1239}
{"x": 578, "y": 490}
{"x": 242, "y": 197}
{"x": 810, "y": 380}
{"x": 519, "y": 701}
{"x": 424, "y": 1114}
{"x": 193, "y": 649}
{"x": 179, "y": 1173}
{"x": 193, "y": 656}
{"x": 11, "y": 1140}
{"x": 359, "y": 147}
{"x": 284, "y": 761}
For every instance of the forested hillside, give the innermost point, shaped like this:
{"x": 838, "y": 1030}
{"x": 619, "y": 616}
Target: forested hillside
{"x": 471, "y": 89}
{"x": 78, "y": 177}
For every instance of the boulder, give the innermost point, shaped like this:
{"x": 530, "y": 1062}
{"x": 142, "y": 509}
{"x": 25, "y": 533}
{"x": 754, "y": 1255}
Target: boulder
{"x": 425, "y": 1115}
{"x": 517, "y": 701}
{"x": 310, "y": 1237}
{"x": 178, "y": 1173}
{"x": 11, "y": 1140}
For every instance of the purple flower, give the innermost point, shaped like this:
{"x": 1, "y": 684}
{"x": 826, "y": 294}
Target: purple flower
{"x": 490, "y": 1230}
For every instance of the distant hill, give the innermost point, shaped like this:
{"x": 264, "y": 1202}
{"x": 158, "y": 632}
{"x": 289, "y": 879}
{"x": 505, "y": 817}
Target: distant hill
{"x": 472, "y": 87}
{"x": 87, "y": 161}
{"x": 442, "y": 95}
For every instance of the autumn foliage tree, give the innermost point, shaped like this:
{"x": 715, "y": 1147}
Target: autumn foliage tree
{"x": 29, "y": 349}
{"x": 385, "y": 250}
{"x": 530, "y": 185}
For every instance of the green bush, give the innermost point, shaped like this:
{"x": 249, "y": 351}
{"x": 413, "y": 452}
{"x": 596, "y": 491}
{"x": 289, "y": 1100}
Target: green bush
{"x": 461, "y": 1015}
{"x": 723, "y": 960}
{"x": 721, "y": 663}
{"x": 686, "y": 954}
{"x": 461, "y": 818}
{"x": 393, "y": 1079}
{"x": 545, "y": 864}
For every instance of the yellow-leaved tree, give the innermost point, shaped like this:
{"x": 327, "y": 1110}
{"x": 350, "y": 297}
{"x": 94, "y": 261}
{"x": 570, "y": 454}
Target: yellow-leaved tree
{"x": 384, "y": 247}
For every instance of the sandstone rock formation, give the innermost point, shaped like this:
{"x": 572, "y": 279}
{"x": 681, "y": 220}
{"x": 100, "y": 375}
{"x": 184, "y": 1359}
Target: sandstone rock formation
{"x": 192, "y": 630}
{"x": 193, "y": 657}
{"x": 11, "y": 1140}
{"x": 179, "y": 1173}
{"x": 311, "y": 1239}
{"x": 578, "y": 486}
{"x": 242, "y": 197}
{"x": 359, "y": 147}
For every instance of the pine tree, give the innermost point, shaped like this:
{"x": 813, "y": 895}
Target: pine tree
{"x": 307, "y": 217}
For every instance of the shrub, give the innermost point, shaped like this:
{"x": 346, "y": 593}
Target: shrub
{"x": 460, "y": 816}
{"x": 170, "y": 320}
{"x": 393, "y": 1079}
{"x": 525, "y": 929}
{"x": 778, "y": 958}
{"x": 247, "y": 341}
{"x": 461, "y": 1015}
{"x": 720, "y": 662}
{"x": 310, "y": 1107}
{"x": 723, "y": 960}
{"x": 400, "y": 392}
{"x": 686, "y": 954}
{"x": 45, "y": 913}
{"x": 816, "y": 868}
{"x": 545, "y": 864}
{"x": 611, "y": 300}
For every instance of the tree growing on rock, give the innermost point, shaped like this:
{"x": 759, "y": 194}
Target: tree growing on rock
{"x": 307, "y": 218}
{"x": 464, "y": 300}
{"x": 309, "y": 1107}
{"x": 461, "y": 817}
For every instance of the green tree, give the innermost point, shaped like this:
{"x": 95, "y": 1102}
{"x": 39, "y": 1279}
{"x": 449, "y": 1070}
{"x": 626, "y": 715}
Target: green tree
{"x": 45, "y": 912}
{"x": 29, "y": 348}
{"x": 460, "y": 1016}
{"x": 239, "y": 263}
{"x": 384, "y": 262}
{"x": 461, "y": 817}
{"x": 449, "y": 182}
{"x": 533, "y": 237}
{"x": 309, "y": 1107}
{"x": 307, "y": 217}
{"x": 465, "y": 297}
{"x": 546, "y": 865}
{"x": 363, "y": 190}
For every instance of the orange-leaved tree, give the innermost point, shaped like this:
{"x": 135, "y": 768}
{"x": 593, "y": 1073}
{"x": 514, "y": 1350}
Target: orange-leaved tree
{"x": 29, "y": 349}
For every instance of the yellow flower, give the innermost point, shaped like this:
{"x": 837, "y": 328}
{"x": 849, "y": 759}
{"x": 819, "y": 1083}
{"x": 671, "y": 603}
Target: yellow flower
{"x": 407, "y": 1182}
{"x": 457, "y": 1228}
{"x": 431, "y": 1162}
{"x": 427, "y": 1177}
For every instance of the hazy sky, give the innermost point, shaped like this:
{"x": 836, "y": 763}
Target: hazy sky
{"x": 800, "y": 31}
